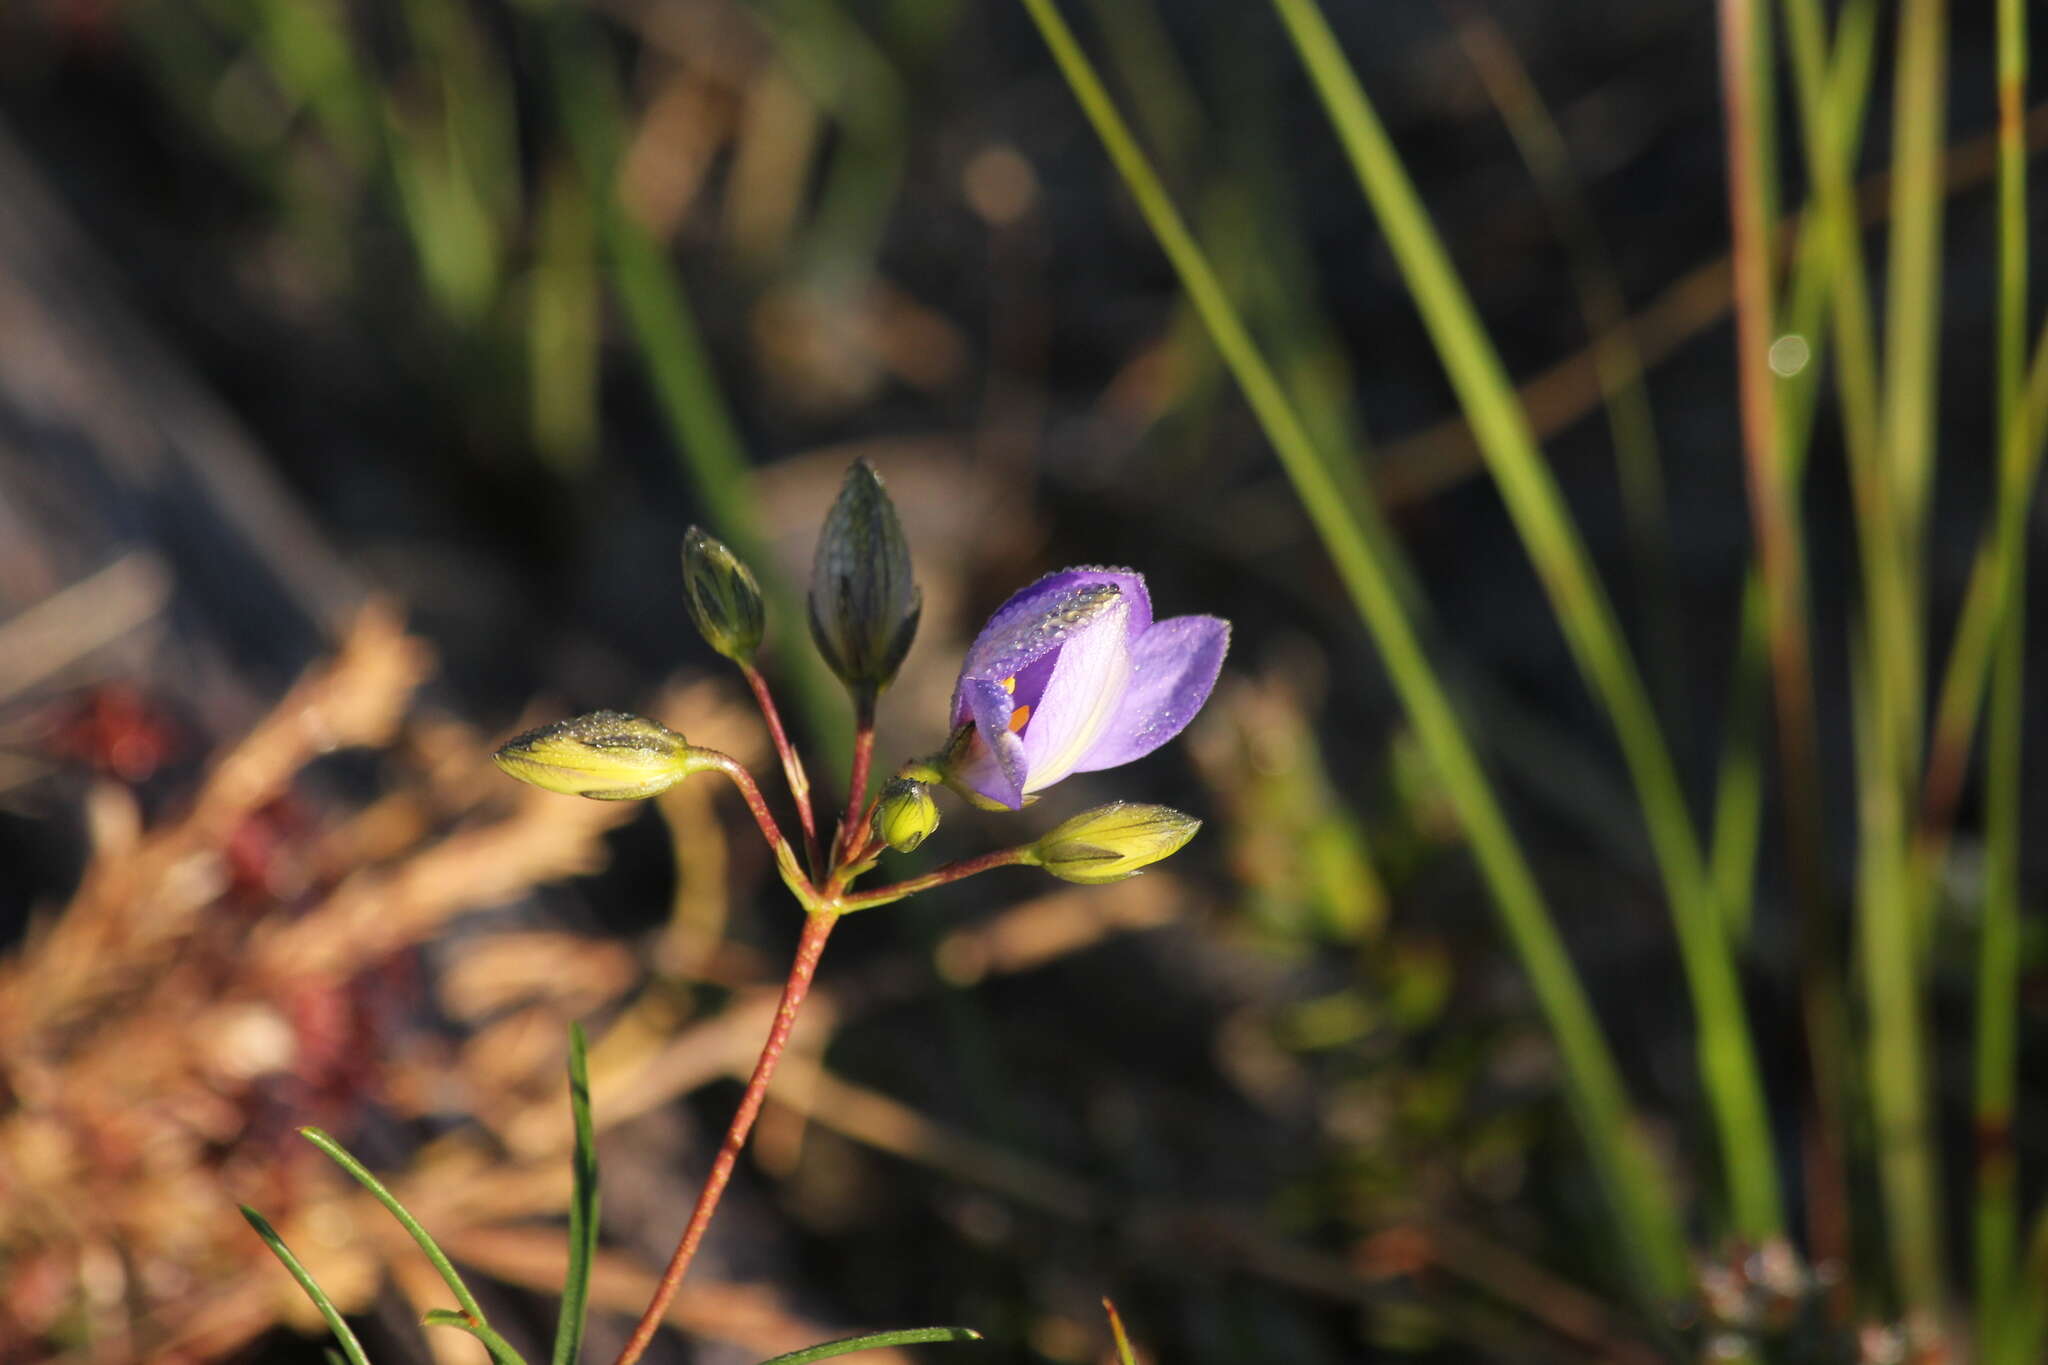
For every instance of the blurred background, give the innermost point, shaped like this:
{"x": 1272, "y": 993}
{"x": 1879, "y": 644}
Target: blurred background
{"x": 361, "y": 365}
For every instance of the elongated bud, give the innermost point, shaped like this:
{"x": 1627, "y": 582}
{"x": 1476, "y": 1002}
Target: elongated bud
{"x": 1113, "y": 842}
{"x": 906, "y": 815}
{"x": 724, "y": 599}
{"x": 606, "y": 756}
{"x": 863, "y": 605}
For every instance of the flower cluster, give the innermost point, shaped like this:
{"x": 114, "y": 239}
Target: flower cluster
{"x": 1071, "y": 675}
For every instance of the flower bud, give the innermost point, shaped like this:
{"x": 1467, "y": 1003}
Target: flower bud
{"x": 906, "y": 815}
{"x": 724, "y": 599}
{"x": 1113, "y": 842}
{"x": 606, "y": 756}
{"x": 863, "y": 605}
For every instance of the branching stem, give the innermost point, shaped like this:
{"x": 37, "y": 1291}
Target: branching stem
{"x": 792, "y": 763}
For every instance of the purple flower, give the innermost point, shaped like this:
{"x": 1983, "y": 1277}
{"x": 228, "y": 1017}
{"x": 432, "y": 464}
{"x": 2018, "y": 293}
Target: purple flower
{"x": 1071, "y": 675}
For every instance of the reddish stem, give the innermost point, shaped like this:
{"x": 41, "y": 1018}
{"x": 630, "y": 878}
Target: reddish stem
{"x": 792, "y": 762}
{"x": 951, "y": 872}
{"x": 809, "y": 948}
{"x": 785, "y": 856}
{"x": 852, "y": 832}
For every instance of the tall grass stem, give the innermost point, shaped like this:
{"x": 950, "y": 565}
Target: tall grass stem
{"x": 1640, "y": 1199}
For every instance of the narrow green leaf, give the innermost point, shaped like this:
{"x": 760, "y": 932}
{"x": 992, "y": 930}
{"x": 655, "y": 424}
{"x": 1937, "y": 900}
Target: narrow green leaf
{"x": 439, "y": 1258}
{"x": 500, "y": 1349}
{"x": 582, "y": 1206}
{"x": 1124, "y": 1354}
{"x": 350, "y": 1347}
{"x": 908, "y": 1336}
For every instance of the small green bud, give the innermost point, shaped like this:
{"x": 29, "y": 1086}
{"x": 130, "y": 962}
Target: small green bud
{"x": 906, "y": 815}
{"x": 724, "y": 599}
{"x": 606, "y": 756}
{"x": 864, "y": 607}
{"x": 1113, "y": 842}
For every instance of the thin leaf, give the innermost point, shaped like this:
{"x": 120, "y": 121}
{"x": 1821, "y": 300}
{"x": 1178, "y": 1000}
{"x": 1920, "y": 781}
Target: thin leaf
{"x": 908, "y": 1336}
{"x": 420, "y": 1235}
{"x": 500, "y": 1349}
{"x": 582, "y": 1206}
{"x": 350, "y": 1347}
{"x": 1124, "y": 1354}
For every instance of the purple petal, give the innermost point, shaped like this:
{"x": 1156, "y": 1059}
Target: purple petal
{"x": 995, "y": 767}
{"x": 1173, "y": 667}
{"x": 1008, "y": 643}
{"x": 1080, "y": 699}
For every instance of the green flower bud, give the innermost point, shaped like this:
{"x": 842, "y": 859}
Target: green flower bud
{"x": 863, "y": 605}
{"x": 906, "y": 815}
{"x": 724, "y": 599}
{"x": 1113, "y": 842}
{"x": 606, "y": 756}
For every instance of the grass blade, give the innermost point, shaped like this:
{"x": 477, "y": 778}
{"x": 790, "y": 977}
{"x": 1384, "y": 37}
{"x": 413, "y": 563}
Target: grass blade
{"x": 1124, "y": 1354}
{"x": 1997, "y": 1058}
{"x": 582, "y": 1206}
{"x": 350, "y": 1347}
{"x": 500, "y": 1349}
{"x": 908, "y": 1336}
{"x": 1617, "y": 360}
{"x": 427, "y": 1245}
{"x": 1640, "y": 1201}
{"x": 1726, "y": 1054}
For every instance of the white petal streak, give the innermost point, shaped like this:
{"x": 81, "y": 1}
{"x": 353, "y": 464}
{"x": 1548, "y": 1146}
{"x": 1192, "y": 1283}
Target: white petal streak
{"x": 1087, "y": 685}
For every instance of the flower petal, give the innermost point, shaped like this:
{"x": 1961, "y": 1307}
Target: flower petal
{"x": 1008, "y": 643}
{"x": 1173, "y": 667}
{"x": 995, "y": 766}
{"x": 1081, "y": 698}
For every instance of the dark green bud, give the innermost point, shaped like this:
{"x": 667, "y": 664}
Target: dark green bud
{"x": 724, "y": 599}
{"x": 1113, "y": 842}
{"x": 906, "y": 815}
{"x": 606, "y": 756}
{"x": 863, "y": 605}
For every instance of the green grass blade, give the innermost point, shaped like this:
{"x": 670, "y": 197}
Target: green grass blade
{"x": 582, "y": 1206}
{"x": 1996, "y": 1217}
{"x": 1640, "y": 1201}
{"x": 500, "y": 1349}
{"x": 425, "y": 1241}
{"x": 872, "y": 1341}
{"x": 1828, "y": 100}
{"x": 1913, "y": 272}
{"x": 350, "y": 1347}
{"x": 2025, "y": 1325}
{"x": 1739, "y": 786}
{"x": 1124, "y": 1354}
{"x": 1617, "y": 361}
{"x": 1726, "y": 1053}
